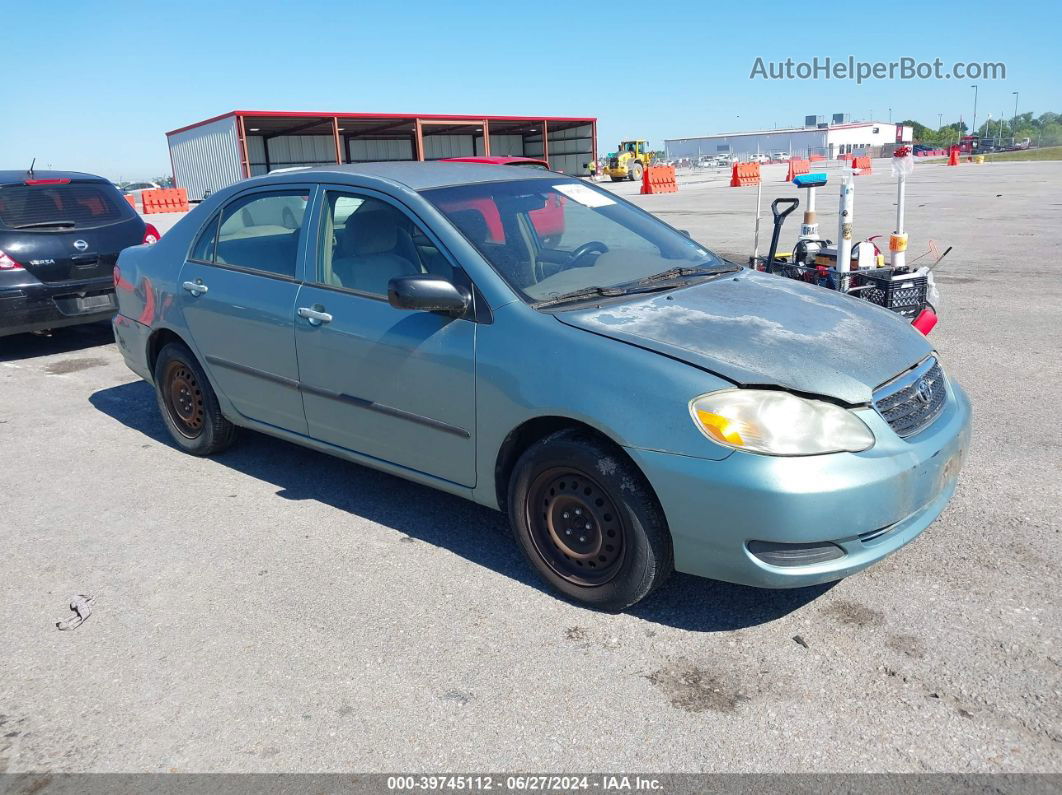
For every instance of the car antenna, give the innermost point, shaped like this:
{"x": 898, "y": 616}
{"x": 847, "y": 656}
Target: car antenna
{"x": 30, "y": 172}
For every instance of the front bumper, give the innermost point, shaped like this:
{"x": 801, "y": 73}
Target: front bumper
{"x": 869, "y": 504}
{"x": 37, "y": 306}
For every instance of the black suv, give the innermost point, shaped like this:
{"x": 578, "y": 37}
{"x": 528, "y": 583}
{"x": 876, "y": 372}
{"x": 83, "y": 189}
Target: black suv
{"x": 60, "y": 234}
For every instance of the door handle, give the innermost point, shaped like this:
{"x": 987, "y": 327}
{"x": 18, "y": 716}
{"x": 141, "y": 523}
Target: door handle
{"x": 195, "y": 288}
{"x": 313, "y": 316}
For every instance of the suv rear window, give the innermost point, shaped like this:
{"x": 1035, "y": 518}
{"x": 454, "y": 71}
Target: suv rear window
{"x": 62, "y": 205}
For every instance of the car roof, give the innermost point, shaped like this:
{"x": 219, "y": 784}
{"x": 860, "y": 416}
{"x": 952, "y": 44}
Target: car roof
{"x": 417, "y": 175}
{"x": 497, "y": 160}
{"x": 15, "y": 177}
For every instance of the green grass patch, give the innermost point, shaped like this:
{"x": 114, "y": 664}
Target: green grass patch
{"x": 1047, "y": 153}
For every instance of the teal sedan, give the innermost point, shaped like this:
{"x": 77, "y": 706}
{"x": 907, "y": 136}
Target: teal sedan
{"x": 633, "y": 402}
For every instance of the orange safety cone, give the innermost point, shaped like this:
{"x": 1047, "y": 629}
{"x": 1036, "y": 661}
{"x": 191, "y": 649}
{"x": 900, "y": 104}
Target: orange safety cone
{"x": 953, "y": 159}
{"x": 645, "y": 180}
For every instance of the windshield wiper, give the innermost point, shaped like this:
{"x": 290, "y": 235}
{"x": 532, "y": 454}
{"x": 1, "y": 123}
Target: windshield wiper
{"x": 681, "y": 271}
{"x": 44, "y": 223}
{"x": 650, "y": 284}
{"x": 579, "y": 295}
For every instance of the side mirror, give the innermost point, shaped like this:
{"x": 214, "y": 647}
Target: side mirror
{"x": 428, "y": 294}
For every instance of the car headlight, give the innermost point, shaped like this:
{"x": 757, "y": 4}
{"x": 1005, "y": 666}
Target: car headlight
{"x": 778, "y": 423}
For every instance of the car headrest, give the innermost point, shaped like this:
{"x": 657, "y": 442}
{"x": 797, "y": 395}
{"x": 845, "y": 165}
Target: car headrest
{"x": 473, "y": 224}
{"x": 373, "y": 232}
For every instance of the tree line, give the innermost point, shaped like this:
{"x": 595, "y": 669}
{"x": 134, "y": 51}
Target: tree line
{"x": 1042, "y": 130}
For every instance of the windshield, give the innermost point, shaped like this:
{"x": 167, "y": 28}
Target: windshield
{"x": 548, "y": 238}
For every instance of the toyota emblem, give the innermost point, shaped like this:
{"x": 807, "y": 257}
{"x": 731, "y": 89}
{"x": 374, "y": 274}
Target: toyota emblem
{"x": 80, "y": 245}
{"x": 924, "y": 391}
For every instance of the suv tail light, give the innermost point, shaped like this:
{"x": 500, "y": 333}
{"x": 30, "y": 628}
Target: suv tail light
{"x": 8, "y": 264}
{"x": 151, "y": 234}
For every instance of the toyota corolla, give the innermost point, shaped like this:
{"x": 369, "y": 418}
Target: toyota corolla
{"x": 635, "y": 403}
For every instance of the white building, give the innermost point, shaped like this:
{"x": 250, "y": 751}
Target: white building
{"x": 830, "y": 140}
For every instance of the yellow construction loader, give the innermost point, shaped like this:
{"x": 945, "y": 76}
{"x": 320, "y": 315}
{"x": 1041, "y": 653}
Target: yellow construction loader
{"x": 630, "y": 159}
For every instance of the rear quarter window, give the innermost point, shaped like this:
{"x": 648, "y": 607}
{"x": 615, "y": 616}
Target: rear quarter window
{"x": 74, "y": 204}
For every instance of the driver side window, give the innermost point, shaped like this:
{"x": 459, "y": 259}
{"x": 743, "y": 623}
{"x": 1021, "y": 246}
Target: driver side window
{"x": 367, "y": 242}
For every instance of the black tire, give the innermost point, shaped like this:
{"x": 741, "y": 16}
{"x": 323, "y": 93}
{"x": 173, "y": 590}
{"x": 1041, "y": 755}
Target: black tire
{"x": 626, "y": 551}
{"x": 634, "y": 172}
{"x": 188, "y": 404}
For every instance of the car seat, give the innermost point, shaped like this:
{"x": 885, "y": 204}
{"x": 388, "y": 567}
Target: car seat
{"x": 374, "y": 249}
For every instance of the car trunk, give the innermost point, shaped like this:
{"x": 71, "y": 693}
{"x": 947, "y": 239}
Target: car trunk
{"x": 66, "y": 231}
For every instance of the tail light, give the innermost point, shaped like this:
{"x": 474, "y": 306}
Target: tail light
{"x": 151, "y": 234}
{"x": 8, "y": 264}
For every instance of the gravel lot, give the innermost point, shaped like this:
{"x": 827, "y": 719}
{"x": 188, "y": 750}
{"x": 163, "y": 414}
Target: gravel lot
{"x": 277, "y": 610}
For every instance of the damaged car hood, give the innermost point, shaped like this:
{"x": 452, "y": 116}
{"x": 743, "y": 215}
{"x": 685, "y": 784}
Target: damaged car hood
{"x": 758, "y": 329}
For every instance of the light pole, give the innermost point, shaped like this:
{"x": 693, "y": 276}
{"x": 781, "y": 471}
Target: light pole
{"x": 974, "y": 87}
{"x": 940, "y": 120}
{"x": 1014, "y": 124}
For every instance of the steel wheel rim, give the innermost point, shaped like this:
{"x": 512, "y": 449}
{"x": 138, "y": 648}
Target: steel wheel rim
{"x": 575, "y": 527}
{"x": 184, "y": 400}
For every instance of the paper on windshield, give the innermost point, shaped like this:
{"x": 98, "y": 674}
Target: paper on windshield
{"x": 583, "y": 194}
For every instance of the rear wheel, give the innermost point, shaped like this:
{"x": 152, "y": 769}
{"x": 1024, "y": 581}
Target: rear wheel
{"x": 587, "y": 521}
{"x": 188, "y": 404}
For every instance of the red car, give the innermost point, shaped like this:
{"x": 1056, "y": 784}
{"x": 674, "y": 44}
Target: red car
{"x": 549, "y": 221}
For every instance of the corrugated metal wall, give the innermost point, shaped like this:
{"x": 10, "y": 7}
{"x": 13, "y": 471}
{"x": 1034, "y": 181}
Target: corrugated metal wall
{"x": 360, "y": 150}
{"x": 503, "y": 145}
{"x": 570, "y": 151}
{"x": 288, "y": 151}
{"x": 439, "y": 146}
{"x": 206, "y": 158}
{"x": 796, "y": 142}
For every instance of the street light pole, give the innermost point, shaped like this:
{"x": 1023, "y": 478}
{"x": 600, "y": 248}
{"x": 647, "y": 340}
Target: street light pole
{"x": 1014, "y": 124}
{"x": 974, "y": 87}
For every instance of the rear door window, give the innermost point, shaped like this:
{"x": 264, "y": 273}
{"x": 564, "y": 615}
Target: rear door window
{"x": 77, "y": 205}
{"x": 203, "y": 250}
{"x": 261, "y": 231}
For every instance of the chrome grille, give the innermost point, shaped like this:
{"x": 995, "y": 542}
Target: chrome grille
{"x": 912, "y": 401}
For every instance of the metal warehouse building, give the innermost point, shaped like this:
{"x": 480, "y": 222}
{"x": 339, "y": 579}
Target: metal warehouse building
{"x": 875, "y": 138}
{"x": 217, "y": 152}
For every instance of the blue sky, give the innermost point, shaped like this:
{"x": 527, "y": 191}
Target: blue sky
{"x": 94, "y": 85}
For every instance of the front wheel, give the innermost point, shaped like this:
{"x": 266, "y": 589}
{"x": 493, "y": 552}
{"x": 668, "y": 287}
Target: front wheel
{"x": 188, "y": 404}
{"x": 635, "y": 172}
{"x": 588, "y": 522}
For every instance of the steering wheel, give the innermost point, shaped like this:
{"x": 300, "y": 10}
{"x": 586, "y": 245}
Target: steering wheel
{"x": 593, "y": 247}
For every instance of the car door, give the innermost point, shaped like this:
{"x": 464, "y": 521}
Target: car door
{"x": 237, "y": 292}
{"x": 394, "y": 384}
